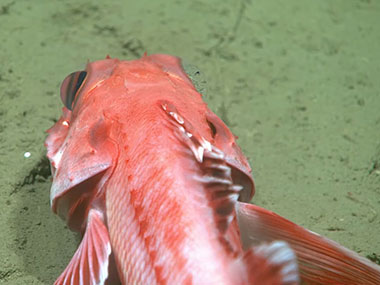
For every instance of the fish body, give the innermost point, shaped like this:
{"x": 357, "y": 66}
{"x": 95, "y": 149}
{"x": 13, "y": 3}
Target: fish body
{"x": 156, "y": 183}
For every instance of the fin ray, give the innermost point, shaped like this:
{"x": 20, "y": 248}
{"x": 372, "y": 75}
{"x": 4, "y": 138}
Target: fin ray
{"x": 321, "y": 261}
{"x": 89, "y": 264}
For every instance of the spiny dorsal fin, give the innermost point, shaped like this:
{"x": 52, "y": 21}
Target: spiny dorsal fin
{"x": 222, "y": 193}
{"x": 215, "y": 173}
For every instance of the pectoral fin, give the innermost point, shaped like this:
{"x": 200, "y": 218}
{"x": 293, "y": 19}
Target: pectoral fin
{"x": 321, "y": 261}
{"x": 90, "y": 262}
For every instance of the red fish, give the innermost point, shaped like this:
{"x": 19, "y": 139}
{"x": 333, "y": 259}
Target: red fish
{"x": 157, "y": 186}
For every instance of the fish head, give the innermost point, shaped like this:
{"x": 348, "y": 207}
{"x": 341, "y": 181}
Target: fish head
{"x": 79, "y": 145}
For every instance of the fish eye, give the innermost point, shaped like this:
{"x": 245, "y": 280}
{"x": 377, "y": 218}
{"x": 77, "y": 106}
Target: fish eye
{"x": 71, "y": 86}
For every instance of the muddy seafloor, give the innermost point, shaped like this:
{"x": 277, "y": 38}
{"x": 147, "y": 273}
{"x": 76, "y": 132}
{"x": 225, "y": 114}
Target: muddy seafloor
{"x": 297, "y": 82}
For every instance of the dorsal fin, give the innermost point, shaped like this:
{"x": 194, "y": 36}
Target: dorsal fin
{"x": 222, "y": 193}
{"x": 215, "y": 173}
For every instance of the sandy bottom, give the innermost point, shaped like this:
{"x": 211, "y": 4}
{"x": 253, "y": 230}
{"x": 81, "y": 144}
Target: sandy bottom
{"x": 297, "y": 82}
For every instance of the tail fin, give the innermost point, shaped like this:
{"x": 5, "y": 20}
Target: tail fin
{"x": 321, "y": 261}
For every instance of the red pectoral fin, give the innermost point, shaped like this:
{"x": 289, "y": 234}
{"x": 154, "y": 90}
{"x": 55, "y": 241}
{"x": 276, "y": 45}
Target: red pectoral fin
{"x": 90, "y": 262}
{"x": 321, "y": 261}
